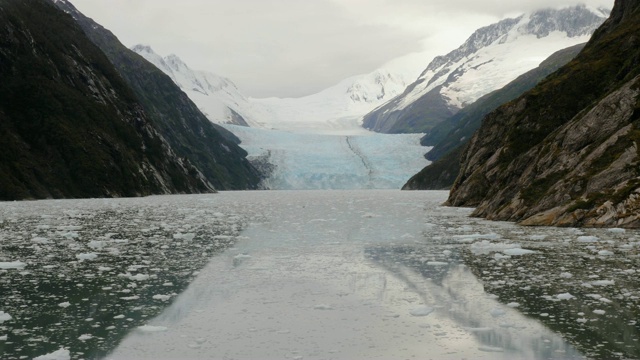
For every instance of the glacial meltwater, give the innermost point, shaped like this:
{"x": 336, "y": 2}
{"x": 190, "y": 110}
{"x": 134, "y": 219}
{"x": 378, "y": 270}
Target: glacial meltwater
{"x": 377, "y": 274}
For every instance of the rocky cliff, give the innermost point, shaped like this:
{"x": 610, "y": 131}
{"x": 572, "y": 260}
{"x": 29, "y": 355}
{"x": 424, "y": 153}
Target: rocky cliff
{"x": 449, "y": 137}
{"x": 178, "y": 119}
{"x": 566, "y": 152}
{"x": 69, "y": 125}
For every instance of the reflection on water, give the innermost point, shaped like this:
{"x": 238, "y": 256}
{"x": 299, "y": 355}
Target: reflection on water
{"x": 313, "y": 275}
{"x": 438, "y": 276}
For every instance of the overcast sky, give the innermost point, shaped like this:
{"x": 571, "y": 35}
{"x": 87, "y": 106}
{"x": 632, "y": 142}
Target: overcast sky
{"x": 298, "y": 47}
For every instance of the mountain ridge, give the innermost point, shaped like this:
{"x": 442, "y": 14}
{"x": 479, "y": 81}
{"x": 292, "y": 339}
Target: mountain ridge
{"x": 71, "y": 127}
{"x": 565, "y": 153}
{"x": 497, "y": 53}
{"x": 209, "y": 147}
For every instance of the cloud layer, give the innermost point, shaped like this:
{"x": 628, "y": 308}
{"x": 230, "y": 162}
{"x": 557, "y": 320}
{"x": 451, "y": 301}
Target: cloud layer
{"x": 292, "y": 47}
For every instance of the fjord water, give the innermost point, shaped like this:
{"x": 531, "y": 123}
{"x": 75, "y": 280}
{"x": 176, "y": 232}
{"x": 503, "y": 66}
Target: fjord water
{"x": 308, "y": 275}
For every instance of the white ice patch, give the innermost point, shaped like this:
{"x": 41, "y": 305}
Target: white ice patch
{"x": 12, "y": 265}
{"x": 61, "y": 354}
{"x": 518, "y": 252}
{"x": 87, "y": 256}
{"x": 422, "y": 311}
{"x": 486, "y": 247}
{"x": 64, "y": 305}
{"x": 565, "y": 296}
{"x": 85, "y": 337}
{"x": 467, "y": 238}
{"x": 152, "y": 329}
{"x": 603, "y": 282}
{"x": 40, "y": 240}
{"x": 588, "y": 239}
{"x": 4, "y": 317}
{"x": 162, "y": 297}
{"x": 437, "y": 263}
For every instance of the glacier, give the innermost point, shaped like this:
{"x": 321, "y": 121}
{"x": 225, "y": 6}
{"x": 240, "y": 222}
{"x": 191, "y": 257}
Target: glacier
{"x": 354, "y": 159}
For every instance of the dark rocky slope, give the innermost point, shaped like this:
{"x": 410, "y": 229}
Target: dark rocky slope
{"x": 209, "y": 147}
{"x": 69, "y": 125}
{"x": 566, "y": 153}
{"x": 450, "y": 136}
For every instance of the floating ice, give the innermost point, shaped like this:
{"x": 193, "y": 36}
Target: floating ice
{"x": 566, "y": 275}
{"x": 472, "y": 237}
{"x": 599, "y": 312}
{"x": 136, "y": 277}
{"x": 85, "y": 337}
{"x": 422, "y": 311}
{"x": 605, "y": 253}
{"x": 478, "y": 329}
{"x": 61, "y": 354}
{"x": 152, "y": 329}
{"x": 97, "y": 244}
{"x": 161, "y": 297}
{"x": 513, "y": 304}
{"x": 518, "y": 252}
{"x": 588, "y": 239}
{"x": 4, "y": 317}
{"x": 40, "y": 240}
{"x": 87, "y": 256}
{"x": 490, "y": 348}
{"x": 486, "y": 247}
{"x": 65, "y": 304}
{"x": 437, "y": 263}
{"x": 565, "y": 296}
{"x": 603, "y": 282}
{"x": 12, "y": 265}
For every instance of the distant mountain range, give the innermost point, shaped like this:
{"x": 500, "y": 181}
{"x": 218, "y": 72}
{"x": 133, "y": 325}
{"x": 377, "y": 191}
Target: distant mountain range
{"x": 337, "y": 107}
{"x": 390, "y": 98}
{"x": 491, "y": 57}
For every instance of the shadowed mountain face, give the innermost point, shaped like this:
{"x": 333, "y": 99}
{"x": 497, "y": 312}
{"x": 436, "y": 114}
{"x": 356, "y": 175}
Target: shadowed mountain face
{"x": 192, "y": 136}
{"x": 69, "y": 125}
{"x": 566, "y": 152}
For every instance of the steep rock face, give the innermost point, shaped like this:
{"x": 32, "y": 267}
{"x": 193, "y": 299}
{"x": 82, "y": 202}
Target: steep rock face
{"x": 69, "y": 125}
{"x": 566, "y": 153}
{"x": 178, "y": 119}
{"x": 449, "y": 137}
{"x": 497, "y": 54}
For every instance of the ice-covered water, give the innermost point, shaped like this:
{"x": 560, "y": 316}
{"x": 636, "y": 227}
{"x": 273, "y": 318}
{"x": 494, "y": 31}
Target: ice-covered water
{"x": 308, "y": 275}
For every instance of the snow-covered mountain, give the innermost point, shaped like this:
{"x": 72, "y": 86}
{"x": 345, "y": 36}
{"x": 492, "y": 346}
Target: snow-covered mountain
{"x": 335, "y": 109}
{"x": 216, "y": 96}
{"x": 488, "y": 60}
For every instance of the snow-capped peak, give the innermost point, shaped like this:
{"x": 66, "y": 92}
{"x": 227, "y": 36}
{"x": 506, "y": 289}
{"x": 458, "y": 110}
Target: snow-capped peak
{"x": 217, "y": 97}
{"x": 509, "y": 47}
